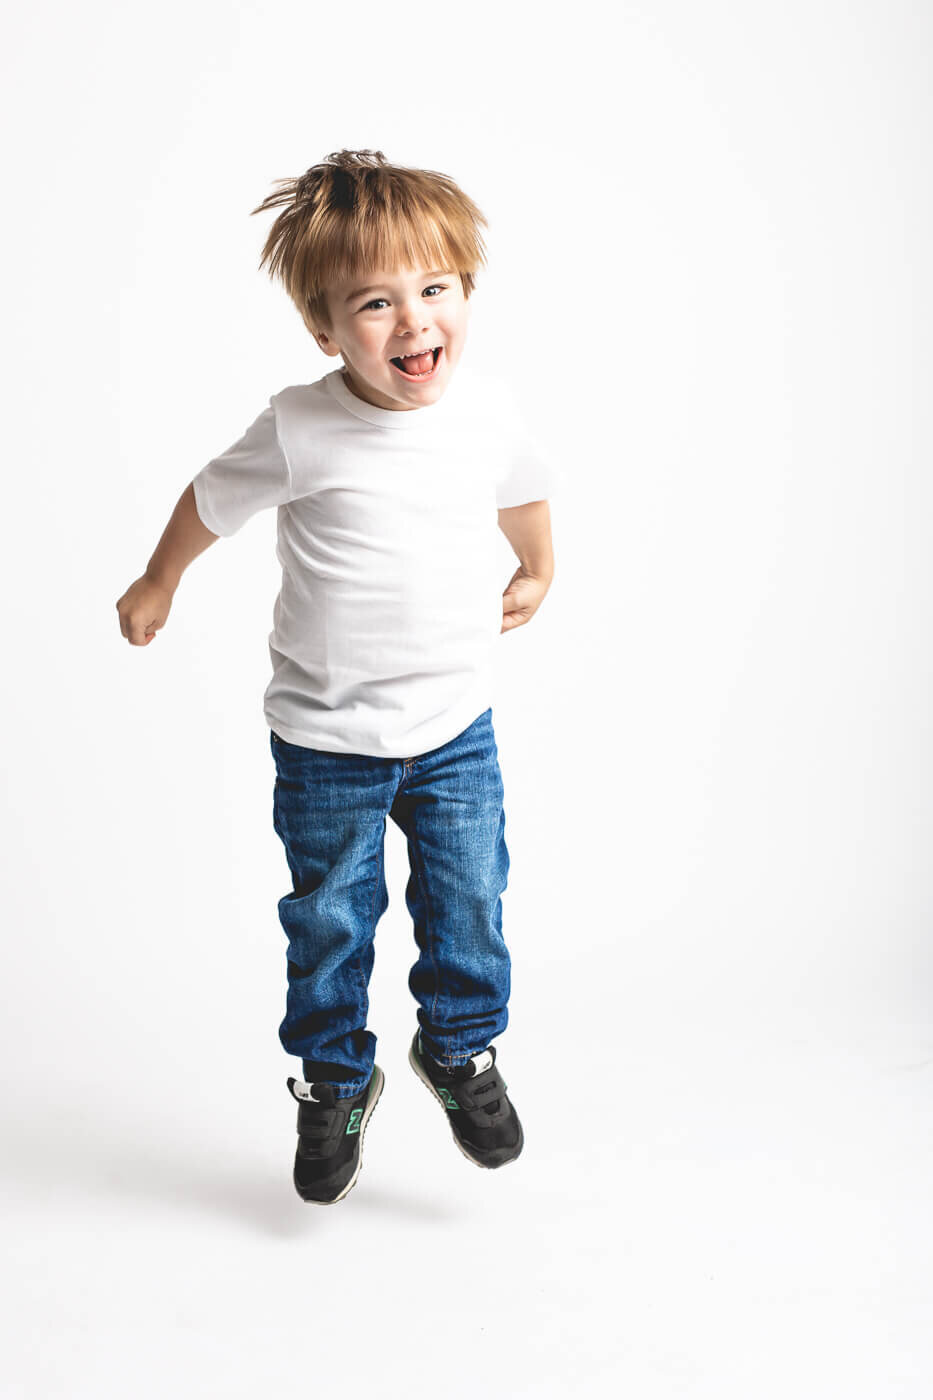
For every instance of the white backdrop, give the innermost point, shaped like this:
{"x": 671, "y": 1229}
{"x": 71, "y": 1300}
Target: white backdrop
{"x": 709, "y": 279}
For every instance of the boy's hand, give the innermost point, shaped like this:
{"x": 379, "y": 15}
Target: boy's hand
{"x": 522, "y": 598}
{"x": 143, "y": 609}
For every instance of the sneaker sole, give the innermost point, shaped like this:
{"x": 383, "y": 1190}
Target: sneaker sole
{"x": 377, "y": 1083}
{"x": 423, "y": 1076}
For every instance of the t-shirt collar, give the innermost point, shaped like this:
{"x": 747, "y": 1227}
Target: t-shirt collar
{"x": 408, "y": 419}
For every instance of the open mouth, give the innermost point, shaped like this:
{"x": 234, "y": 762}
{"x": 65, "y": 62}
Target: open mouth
{"x": 420, "y": 369}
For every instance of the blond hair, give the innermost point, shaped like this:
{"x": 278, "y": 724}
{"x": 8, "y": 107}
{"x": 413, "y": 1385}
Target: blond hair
{"x": 354, "y": 213}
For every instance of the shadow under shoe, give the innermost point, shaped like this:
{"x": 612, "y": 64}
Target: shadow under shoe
{"x": 484, "y": 1123}
{"x": 330, "y": 1137}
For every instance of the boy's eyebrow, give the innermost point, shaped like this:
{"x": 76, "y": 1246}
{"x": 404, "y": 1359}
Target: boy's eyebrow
{"x": 361, "y": 291}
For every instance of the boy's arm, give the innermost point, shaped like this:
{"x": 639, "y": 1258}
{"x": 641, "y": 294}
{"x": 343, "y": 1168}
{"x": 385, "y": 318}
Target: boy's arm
{"x": 183, "y": 539}
{"x": 145, "y": 606}
{"x": 528, "y": 530}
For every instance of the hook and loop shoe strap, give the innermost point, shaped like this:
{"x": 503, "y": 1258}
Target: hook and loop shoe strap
{"x": 477, "y": 1096}
{"x": 319, "y": 1118}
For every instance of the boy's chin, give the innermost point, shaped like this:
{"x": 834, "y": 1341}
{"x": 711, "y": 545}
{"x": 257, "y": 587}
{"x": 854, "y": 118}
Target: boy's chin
{"x": 397, "y": 392}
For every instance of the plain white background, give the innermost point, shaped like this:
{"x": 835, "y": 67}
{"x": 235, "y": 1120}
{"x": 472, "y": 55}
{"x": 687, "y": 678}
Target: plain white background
{"x": 709, "y": 281}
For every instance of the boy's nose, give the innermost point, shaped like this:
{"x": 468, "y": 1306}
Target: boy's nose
{"x": 411, "y": 316}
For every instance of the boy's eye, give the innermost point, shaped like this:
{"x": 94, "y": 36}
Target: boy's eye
{"x": 435, "y": 286}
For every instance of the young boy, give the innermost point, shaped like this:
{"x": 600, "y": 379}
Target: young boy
{"x": 386, "y": 474}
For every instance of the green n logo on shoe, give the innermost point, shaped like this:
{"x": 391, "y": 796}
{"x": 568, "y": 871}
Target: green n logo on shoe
{"x": 354, "y": 1124}
{"x": 448, "y": 1097}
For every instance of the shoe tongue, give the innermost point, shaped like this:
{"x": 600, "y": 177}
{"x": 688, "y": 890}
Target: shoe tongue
{"x": 313, "y": 1093}
{"x": 476, "y": 1065}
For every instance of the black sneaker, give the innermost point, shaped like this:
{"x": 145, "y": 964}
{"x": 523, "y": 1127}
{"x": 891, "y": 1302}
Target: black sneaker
{"x": 484, "y": 1123}
{"x": 330, "y": 1137}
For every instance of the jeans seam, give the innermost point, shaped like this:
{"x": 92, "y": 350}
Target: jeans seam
{"x": 428, "y": 917}
{"x": 372, "y": 912}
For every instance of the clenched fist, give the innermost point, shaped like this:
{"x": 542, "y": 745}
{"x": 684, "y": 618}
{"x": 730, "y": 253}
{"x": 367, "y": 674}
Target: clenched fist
{"x": 522, "y": 598}
{"x": 143, "y": 609}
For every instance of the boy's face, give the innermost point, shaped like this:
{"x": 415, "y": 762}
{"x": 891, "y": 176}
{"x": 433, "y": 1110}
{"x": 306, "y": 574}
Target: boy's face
{"x": 381, "y": 315}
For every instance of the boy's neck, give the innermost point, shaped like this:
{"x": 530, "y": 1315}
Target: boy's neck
{"x": 393, "y": 408}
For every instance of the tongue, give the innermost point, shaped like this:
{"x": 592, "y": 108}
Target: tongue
{"x": 417, "y": 364}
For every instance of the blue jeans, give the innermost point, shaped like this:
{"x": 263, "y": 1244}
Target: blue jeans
{"x": 330, "y": 812}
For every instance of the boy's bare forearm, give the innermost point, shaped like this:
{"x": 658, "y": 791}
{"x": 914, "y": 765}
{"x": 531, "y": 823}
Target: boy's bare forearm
{"x": 528, "y": 530}
{"x": 183, "y": 539}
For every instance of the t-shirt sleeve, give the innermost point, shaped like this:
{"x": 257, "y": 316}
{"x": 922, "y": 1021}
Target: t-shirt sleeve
{"x": 530, "y": 472}
{"x": 252, "y": 475}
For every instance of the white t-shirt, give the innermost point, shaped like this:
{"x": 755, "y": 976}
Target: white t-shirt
{"x": 391, "y": 598}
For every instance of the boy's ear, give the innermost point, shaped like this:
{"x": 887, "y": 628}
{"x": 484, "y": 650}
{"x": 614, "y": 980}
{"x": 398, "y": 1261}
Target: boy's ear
{"x": 329, "y": 346}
